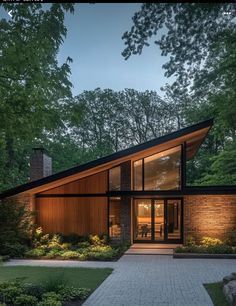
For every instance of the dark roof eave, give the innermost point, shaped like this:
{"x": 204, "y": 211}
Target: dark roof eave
{"x": 108, "y": 158}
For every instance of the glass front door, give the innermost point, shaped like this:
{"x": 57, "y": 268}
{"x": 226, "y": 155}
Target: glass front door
{"x": 158, "y": 220}
{"x": 143, "y": 219}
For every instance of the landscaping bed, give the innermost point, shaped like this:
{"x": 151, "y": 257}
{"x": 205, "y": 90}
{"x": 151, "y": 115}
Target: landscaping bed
{"x": 73, "y": 247}
{"x": 44, "y": 286}
{"x": 208, "y": 248}
{"x": 202, "y": 255}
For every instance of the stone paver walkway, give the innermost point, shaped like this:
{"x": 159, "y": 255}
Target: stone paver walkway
{"x": 148, "y": 280}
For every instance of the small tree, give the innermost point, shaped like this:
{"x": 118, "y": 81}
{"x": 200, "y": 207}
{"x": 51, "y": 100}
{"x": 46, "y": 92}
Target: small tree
{"x": 15, "y": 227}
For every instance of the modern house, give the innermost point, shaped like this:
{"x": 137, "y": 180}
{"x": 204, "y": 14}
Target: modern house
{"x": 138, "y": 194}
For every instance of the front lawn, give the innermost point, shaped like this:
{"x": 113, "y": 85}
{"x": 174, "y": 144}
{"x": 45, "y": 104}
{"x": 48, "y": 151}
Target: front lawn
{"x": 48, "y": 286}
{"x": 215, "y": 290}
{"x": 82, "y": 277}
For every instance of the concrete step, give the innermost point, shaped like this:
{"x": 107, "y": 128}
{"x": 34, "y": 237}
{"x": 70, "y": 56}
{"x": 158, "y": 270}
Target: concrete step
{"x": 162, "y": 251}
{"x": 153, "y": 246}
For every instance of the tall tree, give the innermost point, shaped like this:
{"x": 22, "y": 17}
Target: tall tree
{"x": 34, "y": 88}
{"x": 200, "y": 40}
{"x": 116, "y": 120}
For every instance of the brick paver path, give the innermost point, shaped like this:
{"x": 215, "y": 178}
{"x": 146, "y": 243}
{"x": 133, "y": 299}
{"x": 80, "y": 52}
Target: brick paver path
{"x": 148, "y": 280}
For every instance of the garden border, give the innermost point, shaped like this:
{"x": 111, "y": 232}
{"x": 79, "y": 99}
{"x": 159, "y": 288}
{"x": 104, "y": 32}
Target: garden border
{"x": 204, "y": 256}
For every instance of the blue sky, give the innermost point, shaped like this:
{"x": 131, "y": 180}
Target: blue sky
{"x": 94, "y": 43}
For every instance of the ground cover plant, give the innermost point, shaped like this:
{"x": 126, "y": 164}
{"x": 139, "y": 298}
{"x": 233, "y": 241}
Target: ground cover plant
{"x": 73, "y": 246}
{"x": 215, "y": 290}
{"x": 44, "y": 286}
{"x": 209, "y": 245}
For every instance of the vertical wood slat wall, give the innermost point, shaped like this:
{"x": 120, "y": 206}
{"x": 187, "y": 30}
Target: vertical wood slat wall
{"x": 81, "y": 215}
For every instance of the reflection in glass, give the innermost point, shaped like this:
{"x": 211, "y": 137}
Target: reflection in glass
{"x": 114, "y": 217}
{"x": 114, "y": 178}
{"x": 142, "y": 219}
{"x": 159, "y": 219}
{"x": 162, "y": 170}
{"x": 173, "y": 219}
{"x": 138, "y": 174}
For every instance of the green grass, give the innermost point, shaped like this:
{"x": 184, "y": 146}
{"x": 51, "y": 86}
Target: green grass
{"x": 78, "y": 277}
{"x": 216, "y": 293}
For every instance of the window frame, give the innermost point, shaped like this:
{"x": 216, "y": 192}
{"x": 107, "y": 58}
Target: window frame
{"x": 108, "y": 174}
{"x": 181, "y": 168}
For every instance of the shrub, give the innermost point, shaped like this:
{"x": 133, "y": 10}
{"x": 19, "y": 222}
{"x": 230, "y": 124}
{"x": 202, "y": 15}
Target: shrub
{"x": 208, "y": 241}
{"x": 190, "y": 241}
{"x": 13, "y": 250}
{"x": 71, "y": 293}
{"x": 83, "y": 245}
{"x": 220, "y": 249}
{"x": 70, "y": 255}
{"x": 9, "y": 292}
{"x": 232, "y": 238}
{"x": 53, "y": 253}
{"x": 66, "y": 246}
{"x": 49, "y": 302}
{"x": 33, "y": 289}
{"x": 25, "y": 300}
{"x": 35, "y": 253}
{"x": 4, "y": 258}
{"x": 95, "y": 240}
{"x": 52, "y": 295}
{"x": 210, "y": 249}
{"x": 15, "y": 226}
{"x": 55, "y": 242}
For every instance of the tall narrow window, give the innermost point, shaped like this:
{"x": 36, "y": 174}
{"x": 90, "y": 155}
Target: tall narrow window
{"x": 114, "y": 178}
{"x": 114, "y": 217}
{"x": 138, "y": 175}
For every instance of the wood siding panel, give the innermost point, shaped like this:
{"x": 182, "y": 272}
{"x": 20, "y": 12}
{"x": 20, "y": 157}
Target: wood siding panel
{"x": 96, "y": 183}
{"x": 72, "y": 215}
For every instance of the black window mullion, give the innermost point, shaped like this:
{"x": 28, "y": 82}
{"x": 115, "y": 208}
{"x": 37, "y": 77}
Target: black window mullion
{"x": 143, "y": 174}
{"x": 152, "y": 220}
{"x": 165, "y": 219}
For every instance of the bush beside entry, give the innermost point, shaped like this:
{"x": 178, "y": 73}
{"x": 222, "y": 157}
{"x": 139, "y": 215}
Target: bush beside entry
{"x": 208, "y": 245}
{"x": 92, "y": 247}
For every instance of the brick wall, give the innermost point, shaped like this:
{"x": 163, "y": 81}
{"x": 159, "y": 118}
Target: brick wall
{"x": 40, "y": 164}
{"x": 209, "y": 215}
{"x": 125, "y": 218}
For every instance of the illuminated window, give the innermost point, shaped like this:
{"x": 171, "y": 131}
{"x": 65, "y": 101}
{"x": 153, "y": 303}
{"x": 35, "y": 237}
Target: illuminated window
{"x": 162, "y": 171}
{"x": 114, "y": 218}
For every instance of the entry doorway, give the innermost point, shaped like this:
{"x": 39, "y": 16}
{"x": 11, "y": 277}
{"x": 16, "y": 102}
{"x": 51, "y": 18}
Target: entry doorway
{"x": 158, "y": 220}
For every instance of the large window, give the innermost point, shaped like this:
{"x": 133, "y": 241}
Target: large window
{"x": 114, "y": 178}
{"x": 162, "y": 171}
{"x": 114, "y": 217}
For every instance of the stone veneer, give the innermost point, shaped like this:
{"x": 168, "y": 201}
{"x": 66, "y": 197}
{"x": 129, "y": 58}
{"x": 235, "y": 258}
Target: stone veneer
{"x": 209, "y": 215}
{"x": 125, "y": 207}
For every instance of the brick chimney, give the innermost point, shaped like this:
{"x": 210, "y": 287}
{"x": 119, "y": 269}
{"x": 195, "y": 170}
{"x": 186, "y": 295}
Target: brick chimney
{"x": 40, "y": 164}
